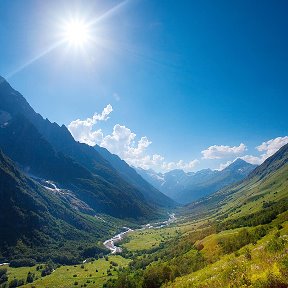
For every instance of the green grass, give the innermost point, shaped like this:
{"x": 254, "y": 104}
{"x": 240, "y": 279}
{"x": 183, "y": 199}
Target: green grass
{"x": 64, "y": 276}
{"x": 140, "y": 240}
{"x": 250, "y": 198}
{"x": 211, "y": 247}
{"x": 232, "y": 239}
{"x": 21, "y": 272}
{"x": 236, "y": 270}
{"x": 147, "y": 239}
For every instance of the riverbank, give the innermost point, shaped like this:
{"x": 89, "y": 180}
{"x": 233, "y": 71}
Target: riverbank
{"x": 110, "y": 243}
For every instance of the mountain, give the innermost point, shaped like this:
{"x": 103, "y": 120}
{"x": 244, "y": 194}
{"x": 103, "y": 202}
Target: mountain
{"x": 47, "y": 151}
{"x": 209, "y": 182}
{"x": 187, "y": 187}
{"x": 21, "y": 141}
{"x": 265, "y": 187}
{"x": 152, "y": 177}
{"x": 37, "y": 222}
{"x": 151, "y": 194}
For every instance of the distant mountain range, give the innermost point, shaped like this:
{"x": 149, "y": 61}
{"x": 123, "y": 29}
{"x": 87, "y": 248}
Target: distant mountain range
{"x": 187, "y": 187}
{"x": 264, "y": 188}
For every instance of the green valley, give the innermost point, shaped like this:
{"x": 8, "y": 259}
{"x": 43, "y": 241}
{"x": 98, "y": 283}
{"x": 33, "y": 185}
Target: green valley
{"x": 143, "y": 144}
{"x": 237, "y": 237}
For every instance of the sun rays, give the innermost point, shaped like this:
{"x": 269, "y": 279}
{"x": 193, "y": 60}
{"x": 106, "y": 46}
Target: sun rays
{"x": 76, "y": 32}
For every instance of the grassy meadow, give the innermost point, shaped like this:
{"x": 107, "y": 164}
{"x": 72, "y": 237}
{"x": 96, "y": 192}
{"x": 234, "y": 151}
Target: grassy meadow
{"x": 264, "y": 264}
{"x": 91, "y": 274}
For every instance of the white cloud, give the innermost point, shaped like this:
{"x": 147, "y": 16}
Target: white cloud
{"x": 122, "y": 142}
{"x": 272, "y": 146}
{"x": 186, "y": 166}
{"x": 221, "y": 151}
{"x": 269, "y": 148}
{"x": 82, "y": 130}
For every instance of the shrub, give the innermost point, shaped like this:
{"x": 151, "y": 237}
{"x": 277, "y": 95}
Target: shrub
{"x": 3, "y": 271}
{"x": 247, "y": 254}
{"x": 113, "y": 263}
{"x": 21, "y": 282}
{"x": 272, "y": 281}
{"x": 48, "y": 269}
{"x": 242, "y": 238}
{"x": 3, "y": 275}
{"x": 284, "y": 266}
{"x": 275, "y": 244}
{"x": 13, "y": 283}
{"x": 30, "y": 277}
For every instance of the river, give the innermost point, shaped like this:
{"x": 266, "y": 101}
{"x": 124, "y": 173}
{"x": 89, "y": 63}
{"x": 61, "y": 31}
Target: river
{"x": 110, "y": 243}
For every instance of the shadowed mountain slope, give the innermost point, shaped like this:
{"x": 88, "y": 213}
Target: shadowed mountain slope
{"x": 150, "y": 193}
{"x": 48, "y": 151}
{"x": 35, "y": 220}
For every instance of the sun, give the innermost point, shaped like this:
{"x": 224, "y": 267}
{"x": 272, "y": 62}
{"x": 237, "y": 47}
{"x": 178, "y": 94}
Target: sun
{"x": 76, "y": 32}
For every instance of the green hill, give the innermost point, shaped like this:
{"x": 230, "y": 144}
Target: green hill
{"x": 263, "y": 188}
{"x": 37, "y": 223}
{"x": 236, "y": 237}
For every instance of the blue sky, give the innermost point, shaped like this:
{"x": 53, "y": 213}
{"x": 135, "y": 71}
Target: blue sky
{"x": 184, "y": 75}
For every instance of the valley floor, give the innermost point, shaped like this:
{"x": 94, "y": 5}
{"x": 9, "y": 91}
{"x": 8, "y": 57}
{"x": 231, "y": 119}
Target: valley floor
{"x": 183, "y": 254}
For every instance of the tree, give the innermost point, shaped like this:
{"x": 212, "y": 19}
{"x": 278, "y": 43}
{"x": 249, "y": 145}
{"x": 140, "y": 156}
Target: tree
{"x": 30, "y": 277}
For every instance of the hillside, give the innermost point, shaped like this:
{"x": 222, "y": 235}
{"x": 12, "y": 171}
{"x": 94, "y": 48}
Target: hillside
{"x": 38, "y": 223}
{"x": 236, "y": 237}
{"x": 22, "y": 142}
{"x": 46, "y": 150}
{"x": 268, "y": 183}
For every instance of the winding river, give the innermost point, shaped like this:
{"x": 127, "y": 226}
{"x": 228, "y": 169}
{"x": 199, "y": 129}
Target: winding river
{"x": 110, "y": 243}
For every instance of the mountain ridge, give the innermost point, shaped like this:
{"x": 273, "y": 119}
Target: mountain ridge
{"x": 186, "y": 187}
{"x": 100, "y": 185}
{"x": 131, "y": 176}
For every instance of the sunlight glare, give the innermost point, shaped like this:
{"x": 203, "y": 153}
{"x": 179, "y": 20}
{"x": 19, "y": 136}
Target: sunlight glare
{"x": 76, "y": 32}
